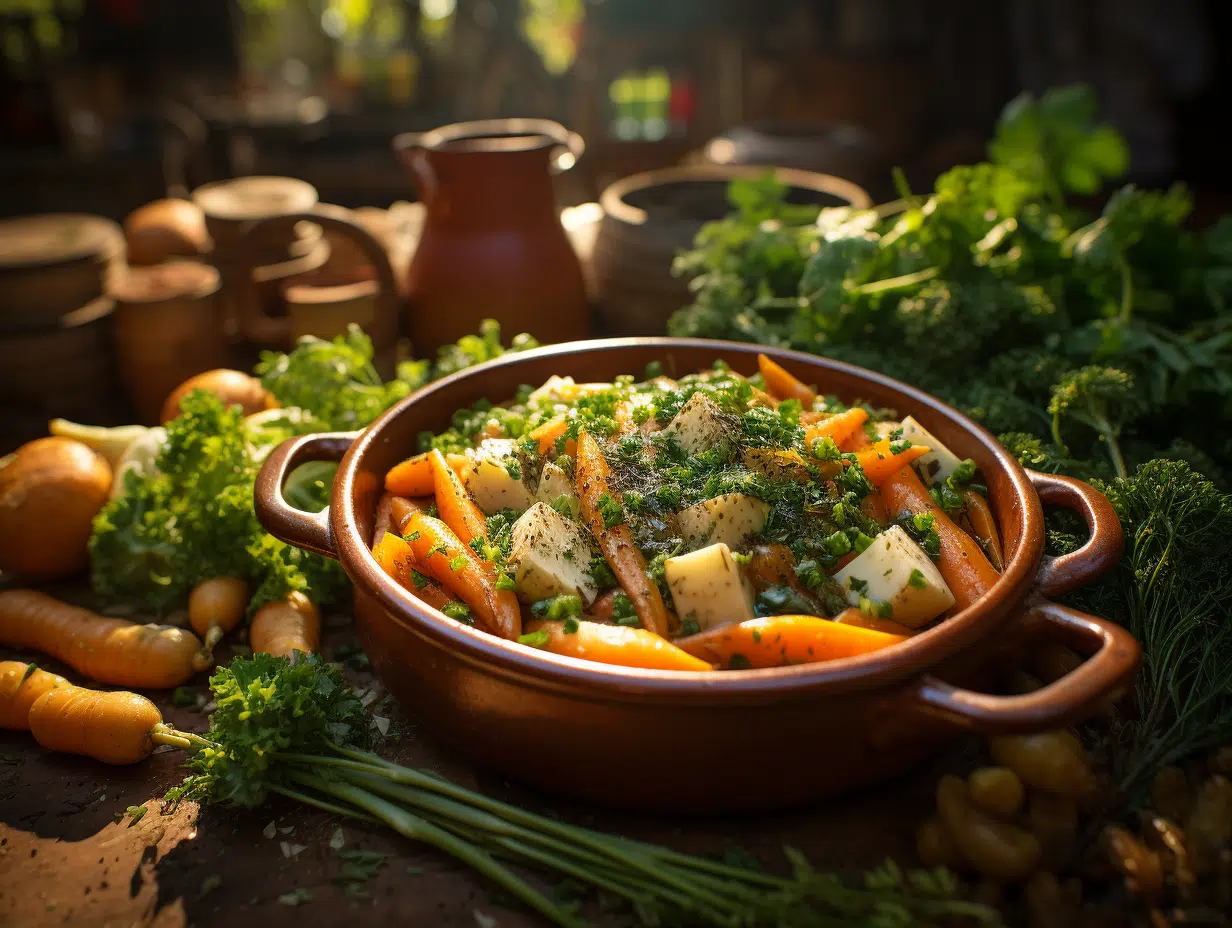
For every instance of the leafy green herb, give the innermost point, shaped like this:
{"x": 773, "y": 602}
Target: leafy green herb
{"x": 610, "y": 510}
{"x": 459, "y": 611}
{"x": 916, "y": 579}
{"x": 535, "y": 639}
{"x": 558, "y": 608}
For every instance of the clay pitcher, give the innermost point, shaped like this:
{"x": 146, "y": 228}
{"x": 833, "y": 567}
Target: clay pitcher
{"x": 492, "y": 244}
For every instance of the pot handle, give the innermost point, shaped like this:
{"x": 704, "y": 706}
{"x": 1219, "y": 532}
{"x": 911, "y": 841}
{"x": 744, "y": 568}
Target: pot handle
{"x": 307, "y": 530}
{"x": 1109, "y": 668}
{"x": 1103, "y": 549}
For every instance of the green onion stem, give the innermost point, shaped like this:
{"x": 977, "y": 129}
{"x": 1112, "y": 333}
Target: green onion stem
{"x": 416, "y": 828}
{"x": 323, "y": 804}
{"x": 634, "y": 857}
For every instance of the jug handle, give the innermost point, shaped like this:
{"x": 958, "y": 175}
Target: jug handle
{"x": 413, "y": 154}
{"x": 259, "y": 327}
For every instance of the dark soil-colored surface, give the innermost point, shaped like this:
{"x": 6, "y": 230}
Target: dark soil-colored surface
{"x": 67, "y": 857}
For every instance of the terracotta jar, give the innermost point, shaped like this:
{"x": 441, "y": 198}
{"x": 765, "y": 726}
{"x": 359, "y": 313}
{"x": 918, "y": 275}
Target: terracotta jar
{"x": 492, "y": 243}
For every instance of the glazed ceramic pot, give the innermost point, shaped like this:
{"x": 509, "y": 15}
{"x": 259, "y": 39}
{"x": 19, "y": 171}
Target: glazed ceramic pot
{"x": 492, "y": 244}
{"x": 712, "y": 741}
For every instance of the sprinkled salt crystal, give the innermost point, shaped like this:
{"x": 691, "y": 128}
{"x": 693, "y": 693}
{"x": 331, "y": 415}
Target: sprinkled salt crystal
{"x": 290, "y": 850}
{"x": 337, "y": 840}
{"x": 285, "y": 829}
{"x": 382, "y": 724}
{"x": 484, "y": 921}
{"x": 269, "y": 830}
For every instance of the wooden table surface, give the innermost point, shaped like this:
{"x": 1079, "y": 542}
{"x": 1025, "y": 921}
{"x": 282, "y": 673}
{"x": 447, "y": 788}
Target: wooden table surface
{"x": 66, "y": 858}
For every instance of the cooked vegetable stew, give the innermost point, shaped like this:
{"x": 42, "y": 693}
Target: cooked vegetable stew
{"x": 710, "y": 522}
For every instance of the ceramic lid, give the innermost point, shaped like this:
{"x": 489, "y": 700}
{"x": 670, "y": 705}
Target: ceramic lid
{"x": 56, "y": 238}
{"x": 244, "y": 198}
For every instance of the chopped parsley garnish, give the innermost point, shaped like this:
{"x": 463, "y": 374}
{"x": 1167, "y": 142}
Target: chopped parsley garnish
{"x": 418, "y": 579}
{"x": 459, "y": 611}
{"x": 917, "y": 579}
{"x": 458, "y": 562}
{"x": 690, "y": 627}
{"x": 536, "y": 639}
{"x": 739, "y": 662}
{"x": 857, "y": 585}
{"x": 610, "y": 511}
{"x": 558, "y": 608}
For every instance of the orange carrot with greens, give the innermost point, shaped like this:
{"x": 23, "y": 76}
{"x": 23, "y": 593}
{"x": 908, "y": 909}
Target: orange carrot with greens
{"x": 288, "y": 625}
{"x": 20, "y": 685}
{"x": 784, "y": 385}
{"x": 616, "y": 541}
{"x": 114, "y": 727}
{"x": 963, "y": 564}
{"x": 455, "y": 505}
{"x": 984, "y": 528}
{"x": 398, "y": 560}
{"x": 841, "y": 427}
{"x": 215, "y": 607}
{"x": 547, "y": 433}
{"x": 463, "y": 573}
{"x": 781, "y": 640}
{"x": 862, "y": 619}
{"x": 107, "y": 650}
{"x": 413, "y": 477}
{"x": 611, "y": 644}
{"x": 879, "y": 462}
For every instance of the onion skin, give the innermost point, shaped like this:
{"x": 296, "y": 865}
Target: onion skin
{"x": 234, "y": 388}
{"x": 50, "y": 491}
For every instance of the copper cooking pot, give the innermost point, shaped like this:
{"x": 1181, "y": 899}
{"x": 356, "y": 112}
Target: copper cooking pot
{"x": 721, "y": 741}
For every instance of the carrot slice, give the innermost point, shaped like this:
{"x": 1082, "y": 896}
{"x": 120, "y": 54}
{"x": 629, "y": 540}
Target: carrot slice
{"x": 461, "y": 571}
{"x": 616, "y": 543}
{"x": 862, "y": 619}
{"x": 963, "y": 564}
{"x": 781, "y": 640}
{"x": 616, "y": 644}
{"x": 984, "y": 528}
{"x": 782, "y": 384}
{"x": 413, "y": 477}
{"x": 455, "y": 505}
{"x": 841, "y": 427}
{"x": 879, "y": 462}
{"x": 398, "y": 560}
{"x": 874, "y": 507}
{"x": 547, "y": 433}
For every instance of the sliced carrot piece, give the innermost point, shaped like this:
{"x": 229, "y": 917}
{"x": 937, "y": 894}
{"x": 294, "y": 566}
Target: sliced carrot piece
{"x": 782, "y": 384}
{"x": 462, "y": 572}
{"x": 398, "y": 560}
{"x": 547, "y": 433}
{"x": 616, "y": 644}
{"x": 984, "y": 528}
{"x": 963, "y": 564}
{"x": 455, "y": 505}
{"x": 413, "y": 477}
{"x": 874, "y": 507}
{"x": 616, "y": 543}
{"x": 862, "y": 619}
{"x": 879, "y": 462}
{"x": 841, "y": 427}
{"x": 781, "y": 640}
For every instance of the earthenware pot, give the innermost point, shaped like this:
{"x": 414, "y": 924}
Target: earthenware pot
{"x": 492, "y": 243}
{"x": 720, "y": 741}
{"x": 651, "y": 217}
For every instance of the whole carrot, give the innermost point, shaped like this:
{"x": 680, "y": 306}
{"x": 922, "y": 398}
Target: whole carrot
{"x": 215, "y": 607}
{"x": 114, "y": 727}
{"x": 781, "y": 640}
{"x": 782, "y": 384}
{"x": 616, "y": 542}
{"x": 462, "y": 572}
{"x": 963, "y": 564}
{"x": 283, "y": 627}
{"x": 107, "y": 650}
{"x": 20, "y": 685}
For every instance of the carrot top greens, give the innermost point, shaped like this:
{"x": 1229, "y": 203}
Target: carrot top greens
{"x": 298, "y": 731}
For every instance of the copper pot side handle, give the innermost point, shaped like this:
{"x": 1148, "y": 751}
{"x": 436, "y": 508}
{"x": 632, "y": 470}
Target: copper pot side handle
{"x": 1103, "y": 549}
{"x": 307, "y": 530}
{"x": 265, "y": 329}
{"x": 1108, "y": 671}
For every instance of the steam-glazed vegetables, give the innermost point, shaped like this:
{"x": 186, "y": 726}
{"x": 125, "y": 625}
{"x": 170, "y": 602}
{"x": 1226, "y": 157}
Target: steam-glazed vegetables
{"x": 711, "y": 511}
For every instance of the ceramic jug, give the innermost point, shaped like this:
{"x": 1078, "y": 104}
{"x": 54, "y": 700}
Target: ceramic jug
{"x": 492, "y": 244}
